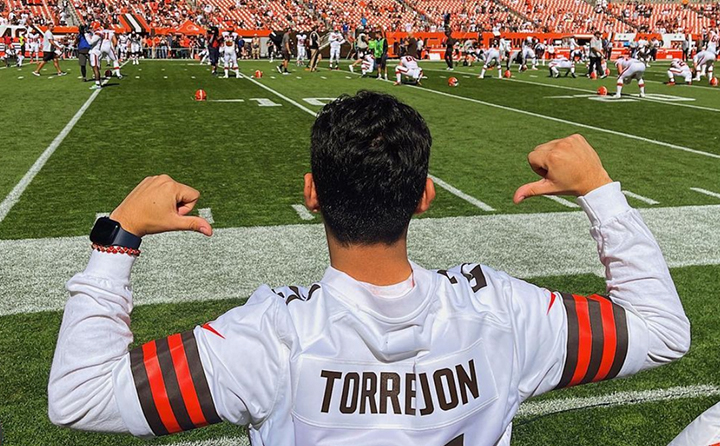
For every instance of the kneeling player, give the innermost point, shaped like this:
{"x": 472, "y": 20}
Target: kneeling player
{"x": 408, "y": 67}
{"x": 368, "y": 64}
{"x": 492, "y": 60}
{"x": 703, "y": 63}
{"x": 562, "y": 63}
{"x": 679, "y": 68}
{"x": 629, "y": 69}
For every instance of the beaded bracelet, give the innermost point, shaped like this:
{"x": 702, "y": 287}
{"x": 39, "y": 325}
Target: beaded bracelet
{"x": 116, "y": 250}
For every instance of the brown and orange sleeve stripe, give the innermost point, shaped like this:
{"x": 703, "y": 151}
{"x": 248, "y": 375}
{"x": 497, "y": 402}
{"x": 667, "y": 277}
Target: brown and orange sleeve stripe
{"x": 597, "y": 342}
{"x": 171, "y": 385}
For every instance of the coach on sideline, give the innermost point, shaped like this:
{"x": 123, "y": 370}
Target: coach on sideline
{"x": 380, "y": 351}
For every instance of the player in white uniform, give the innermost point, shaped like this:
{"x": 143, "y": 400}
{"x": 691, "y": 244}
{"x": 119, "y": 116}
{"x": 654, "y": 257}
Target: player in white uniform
{"x": 336, "y": 40}
{"x": 375, "y": 353}
{"x": 704, "y": 61}
{"x": 679, "y": 68}
{"x": 33, "y": 41}
{"x": 94, "y": 39}
{"x": 492, "y": 60}
{"x": 629, "y": 69}
{"x": 528, "y": 55}
{"x": 135, "y": 48}
{"x": 408, "y": 66}
{"x": 107, "y": 48}
{"x": 368, "y": 64}
{"x": 562, "y": 63}
{"x": 230, "y": 53}
{"x": 301, "y": 50}
{"x": 122, "y": 46}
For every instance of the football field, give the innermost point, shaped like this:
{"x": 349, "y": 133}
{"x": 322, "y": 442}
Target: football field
{"x": 70, "y": 154}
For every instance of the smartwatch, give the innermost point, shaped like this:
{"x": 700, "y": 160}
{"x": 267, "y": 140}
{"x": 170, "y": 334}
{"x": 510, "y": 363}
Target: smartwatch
{"x": 107, "y": 232}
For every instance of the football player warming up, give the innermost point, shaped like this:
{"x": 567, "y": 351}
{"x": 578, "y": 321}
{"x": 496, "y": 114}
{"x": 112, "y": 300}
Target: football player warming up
{"x": 562, "y": 63}
{"x": 107, "y": 47}
{"x": 679, "y": 68}
{"x": 408, "y": 66}
{"x": 230, "y": 53}
{"x": 629, "y": 69}
{"x": 492, "y": 60}
{"x": 379, "y": 350}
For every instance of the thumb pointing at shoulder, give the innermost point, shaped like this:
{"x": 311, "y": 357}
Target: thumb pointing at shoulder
{"x": 540, "y": 187}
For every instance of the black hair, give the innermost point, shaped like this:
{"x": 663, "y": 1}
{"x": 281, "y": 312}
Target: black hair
{"x": 369, "y": 158}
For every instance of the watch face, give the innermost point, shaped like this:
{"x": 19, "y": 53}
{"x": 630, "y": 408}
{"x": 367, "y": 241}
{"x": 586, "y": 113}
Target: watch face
{"x": 104, "y": 231}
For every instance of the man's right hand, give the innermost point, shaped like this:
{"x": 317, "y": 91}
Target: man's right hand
{"x": 160, "y": 204}
{"x": 569, "y": 166}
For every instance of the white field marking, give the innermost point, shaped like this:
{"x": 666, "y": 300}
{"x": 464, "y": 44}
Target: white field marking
{"x": 206, "y": 213}
{"x": 192, "y": 77}
{"x": 14, "y": 196}
{"x": 576, "y": 124}
{"x": 272, "y": 77}
{"x": 533, "y": 75}
{"x": 137, "y": 77}
{"x": 101, "y": 214}
{"x": 184, "y": 267}
{"x": 460, "y": 194}
{"x": 323, "y": 77}
{"x": 2, "y": 68}
{"x": 302, "y": 212}
{"x": 640, "y": 197}
{"x": 298, "y": 77}
{"x": 21, "y": 77}
{"x": 228, "y": 100}
{"x": 280, "y": 95}
{"x": 348, "y": 77}
{"x": 319, "y": 102}
{"x": 551, "y": 406}
{"x": 562, "y": 201}
{"x": 164, "y": 77}
{"x": 265, "y": 102}
{"x": 706, "y": 192}
{"x": 647, "y": 99}
{"x": 548, "y": 407}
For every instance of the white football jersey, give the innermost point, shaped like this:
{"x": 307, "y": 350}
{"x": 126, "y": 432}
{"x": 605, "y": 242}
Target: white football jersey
{"x": 107, "y": 35}
{"x": 409, "y": 62}
{"x": 444, "y": 358}
{"x": 301, "y": 40}
{"x": 336, "y": 39}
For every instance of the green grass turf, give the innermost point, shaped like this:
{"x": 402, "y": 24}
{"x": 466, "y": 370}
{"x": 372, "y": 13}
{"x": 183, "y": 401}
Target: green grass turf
{"x": 248, "y": 163}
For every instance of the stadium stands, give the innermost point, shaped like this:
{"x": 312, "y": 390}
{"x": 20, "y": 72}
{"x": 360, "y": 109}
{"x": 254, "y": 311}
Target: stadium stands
{"x": 563, "y": 16}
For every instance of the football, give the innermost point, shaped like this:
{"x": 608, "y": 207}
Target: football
{"x": 108, "y": 73}
{"x": 258, "y": 74}
{"x": 200, "y": 95}
{"x": 453, "y": 82}
{"x": 607, "y": 71}
{"x": 602, "y": 91}
{"x": 714, "y": 82}
{"x": 507, "y": 74}
{"x": 593, "y": 75}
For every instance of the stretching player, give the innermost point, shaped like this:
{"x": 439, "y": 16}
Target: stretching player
{"x": 122, "y": 46}
{"x": 629, "y": 69}
{"x": 107, "y": 48}
{"x": 336, "y": 41}
{"x": 94, "y": 39}
{"x": 492, "y": 60}
{"x": 679, "y": 68}
{"x": 408, "y": 67}
{"x": 230, "y": 53}
{"x": 368, "y": 64}
{"x": 562, "y": 63}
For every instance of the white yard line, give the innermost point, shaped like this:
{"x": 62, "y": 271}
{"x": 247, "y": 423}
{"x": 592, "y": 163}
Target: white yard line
{"x": 460, "y": 194}
{"x": 551, "y": 406}
{"x": 14, "y": 196}
{"x": 438, "y": 181}
{"x": 646, "y": 99}
{"x": 573, "y": 123}
{"x": 640, "y": 197}
{"x": 302, "y": 212}
{"x": 705, "y": 192}
{"x": 562, "y": 201}
{"x": 206, "y": 213}
{"x": 548, "y": 407}
{"x": 182, "y": 267}
{"x": 101, "y": 214}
